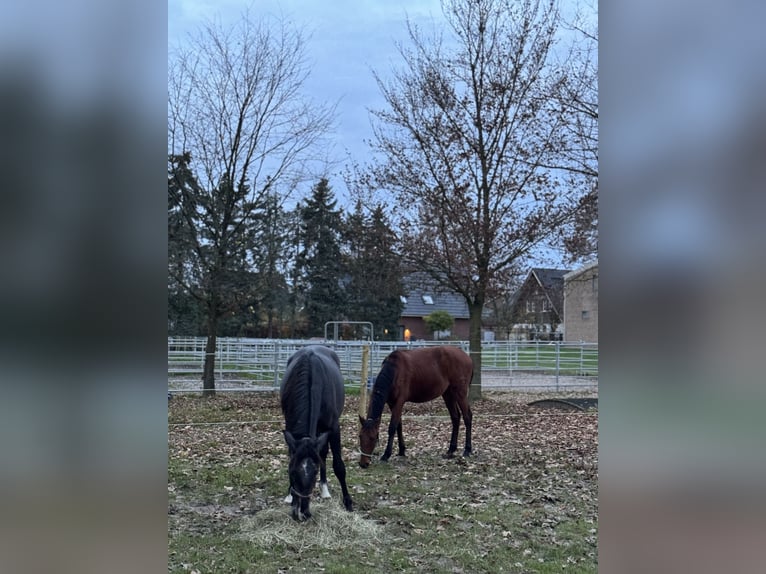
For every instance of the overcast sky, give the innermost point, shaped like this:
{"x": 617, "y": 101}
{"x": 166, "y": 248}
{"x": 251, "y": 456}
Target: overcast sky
{"x": 349, "y": 38}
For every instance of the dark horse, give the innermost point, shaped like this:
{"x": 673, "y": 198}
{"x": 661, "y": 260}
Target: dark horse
{"x": 312, "y": 397}
{"x": 418, "y": 376}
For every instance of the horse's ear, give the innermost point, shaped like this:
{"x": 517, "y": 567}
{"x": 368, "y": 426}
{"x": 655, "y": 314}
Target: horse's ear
{"x": 321, "y": 441}
{"x": 290, "y": 440}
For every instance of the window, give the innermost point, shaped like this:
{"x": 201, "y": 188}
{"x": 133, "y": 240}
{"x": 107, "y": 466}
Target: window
{"x": 585, "y": 315}
{"x": 428, "y": 300}
{"x": 594, "y": 283}
{"x": 403, "y": 299}
{"x": 530, "y": 306}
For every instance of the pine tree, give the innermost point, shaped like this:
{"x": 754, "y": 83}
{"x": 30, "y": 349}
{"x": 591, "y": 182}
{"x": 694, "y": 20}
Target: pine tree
{"x": 374, "y": 286}
{"x": 270, "y": 256}
{"x": 319, "y": 261}
{"x": 209, "y": 232}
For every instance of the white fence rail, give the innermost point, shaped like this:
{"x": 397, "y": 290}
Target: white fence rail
{"x": 258, "y": 364}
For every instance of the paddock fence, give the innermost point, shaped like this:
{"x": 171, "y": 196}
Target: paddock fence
{"x": 258, "y": 364}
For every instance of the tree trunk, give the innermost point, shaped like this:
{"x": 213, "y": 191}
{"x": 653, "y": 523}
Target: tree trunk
{"x": 208, "y": 373}
{"x": 474, "y": 345}
{"x": 270, "y": 323}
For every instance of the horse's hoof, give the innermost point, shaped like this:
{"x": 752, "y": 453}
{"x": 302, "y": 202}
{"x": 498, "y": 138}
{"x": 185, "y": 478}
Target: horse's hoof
{"x": 401, "y": 454}
{"x": 449, "y": 455}
{"x": 466, "y": 453}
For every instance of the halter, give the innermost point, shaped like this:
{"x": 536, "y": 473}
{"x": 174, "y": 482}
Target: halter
{"x": 298, "y": 494}
{"x": 371, "y": 455}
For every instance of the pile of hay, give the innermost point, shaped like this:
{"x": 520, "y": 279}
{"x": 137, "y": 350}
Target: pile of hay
{"x": 330, "y": 527}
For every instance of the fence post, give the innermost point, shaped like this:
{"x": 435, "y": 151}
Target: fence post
{"x": 276, "y": 363}
{"x": 363, "y": 388}
{"x": 510, "y": 362}
{"x": 558, "y": 363}
{"x": 219, "y": 352}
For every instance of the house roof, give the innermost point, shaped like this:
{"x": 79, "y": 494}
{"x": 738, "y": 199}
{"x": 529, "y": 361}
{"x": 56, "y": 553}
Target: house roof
{"x": 423, "y": 298}
{"x": 552, "y": 283}
{"x": 581, "y": 270}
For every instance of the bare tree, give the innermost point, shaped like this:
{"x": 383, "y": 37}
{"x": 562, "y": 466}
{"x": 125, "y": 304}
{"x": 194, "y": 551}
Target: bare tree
{"x": 578, "y": 97}
{"x": 471, "y": 131}
{"x": 237, "y": 115}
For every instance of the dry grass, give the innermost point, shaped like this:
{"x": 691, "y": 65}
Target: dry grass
{"x": 330, "y": 527}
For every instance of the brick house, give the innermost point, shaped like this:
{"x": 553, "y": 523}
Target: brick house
{"x": 537, "y": 307}
{"x": 423, "y": 298}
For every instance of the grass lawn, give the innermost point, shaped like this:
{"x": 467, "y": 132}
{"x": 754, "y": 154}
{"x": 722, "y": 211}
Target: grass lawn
{"x": 543, "y": 357}
{"x": 526, "y": 501}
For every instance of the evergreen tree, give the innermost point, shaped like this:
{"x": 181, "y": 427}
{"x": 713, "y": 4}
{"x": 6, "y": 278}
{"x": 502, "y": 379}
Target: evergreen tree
{"x": 319, "y": 261}
{"x": 270, "y": 256}
{"x": 185, "y": 314}
{"x": 208, "y": 234}
{"x": 374, "y": 285}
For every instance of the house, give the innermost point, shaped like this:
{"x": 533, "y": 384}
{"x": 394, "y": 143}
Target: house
{"x": 537, "y": 307}
{"x": 581, "y": 304}
{"x": 422, "y": 298}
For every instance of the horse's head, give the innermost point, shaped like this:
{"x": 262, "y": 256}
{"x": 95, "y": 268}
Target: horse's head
{"x": 302, "y": 469}
{"x": 368, "y": 440}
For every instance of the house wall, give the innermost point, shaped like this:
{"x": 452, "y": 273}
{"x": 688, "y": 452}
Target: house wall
{"x": 533, "y": 315}
{"x": 419, "y": 330}
{"x": 581, "y": 307}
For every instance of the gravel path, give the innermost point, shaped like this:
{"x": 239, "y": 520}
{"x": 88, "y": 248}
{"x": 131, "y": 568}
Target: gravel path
{"x": 517, "y": 381}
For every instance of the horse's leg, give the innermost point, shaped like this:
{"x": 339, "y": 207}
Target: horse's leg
{"x": 465, "y": 408}
{"x": 324, "y": 492}
{"x": 289, "y": 497}
{"x": 396, "y": 419}
{"x": 400, "y": 436}
{"x": 340, "y": 469}
{"x": 454, "y": 415}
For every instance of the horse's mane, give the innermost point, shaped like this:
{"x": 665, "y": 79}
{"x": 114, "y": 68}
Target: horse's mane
{"x": 382, "y": 387}
{"x": 302, "y": 400}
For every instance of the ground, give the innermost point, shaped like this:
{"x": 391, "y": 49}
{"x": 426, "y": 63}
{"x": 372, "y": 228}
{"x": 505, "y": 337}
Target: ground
{"x": 525, "y": 501}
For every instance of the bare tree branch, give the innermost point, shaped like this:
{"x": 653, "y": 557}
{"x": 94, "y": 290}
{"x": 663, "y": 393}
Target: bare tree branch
{"x": 473, "y": 129}
{"x": 238, "y": 114}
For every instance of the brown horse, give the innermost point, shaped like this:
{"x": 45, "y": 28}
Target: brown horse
{"x": 418, "y": 376}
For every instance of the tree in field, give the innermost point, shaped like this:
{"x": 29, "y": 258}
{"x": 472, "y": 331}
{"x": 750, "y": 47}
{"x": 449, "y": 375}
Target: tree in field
{"x": 185, "y": 314}
{"x": 469, "y": 138}
{"x": 374, "y": 283}
{"x": 439, "y": 321}
{"x": 237, "y": 121}
{"x": 578, "y": 97}
{"x": 320, "y": 264}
